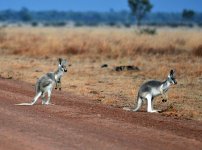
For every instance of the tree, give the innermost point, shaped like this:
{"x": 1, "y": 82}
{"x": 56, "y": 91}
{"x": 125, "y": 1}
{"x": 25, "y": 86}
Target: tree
{"x": 188, "y": 14}
{"x": 25, "y": 15}
{"x": 139, "y": 9}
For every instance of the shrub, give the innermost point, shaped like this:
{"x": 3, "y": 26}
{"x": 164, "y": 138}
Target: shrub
{"x": 197, "y": 51}
{"x": 34, "y": 24}
{"x": 149, "y": 31}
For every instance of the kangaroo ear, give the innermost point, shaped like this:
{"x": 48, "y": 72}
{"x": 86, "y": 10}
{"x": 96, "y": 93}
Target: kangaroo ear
{"x": 172, "y": 72}
{"x": 60, "y": 60}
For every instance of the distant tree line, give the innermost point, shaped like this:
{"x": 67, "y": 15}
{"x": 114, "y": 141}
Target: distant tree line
{"x": 91, "y": 18}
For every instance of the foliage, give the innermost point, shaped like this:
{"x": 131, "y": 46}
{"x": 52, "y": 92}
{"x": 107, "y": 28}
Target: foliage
{"x": 188, "y": 14}
{"x": 139, "y": 8}
{"x": 25, "y": 15}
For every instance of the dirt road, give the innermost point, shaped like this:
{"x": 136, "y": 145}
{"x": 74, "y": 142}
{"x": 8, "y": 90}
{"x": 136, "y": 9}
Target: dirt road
{"x": 79, "y": 123}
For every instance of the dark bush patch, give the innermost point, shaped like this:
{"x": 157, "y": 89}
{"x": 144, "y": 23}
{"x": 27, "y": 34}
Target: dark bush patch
{"x": 197, "y": 51}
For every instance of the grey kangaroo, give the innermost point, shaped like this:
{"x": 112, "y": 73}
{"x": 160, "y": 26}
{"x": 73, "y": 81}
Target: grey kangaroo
{"x": 45, "y": 83}
{"x": 154, "y": 88}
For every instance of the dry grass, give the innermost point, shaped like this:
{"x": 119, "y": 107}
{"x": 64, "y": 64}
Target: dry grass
{"x": 88, "y": 48}
{"x": 105, "y": 41}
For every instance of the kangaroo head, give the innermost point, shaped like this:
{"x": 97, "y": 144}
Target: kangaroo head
{"x": 62, "y": 64}
{"x": 171, "y": 77}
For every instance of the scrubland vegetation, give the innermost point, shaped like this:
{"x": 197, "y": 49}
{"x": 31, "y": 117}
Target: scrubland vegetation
{"x": 27, "y": 53}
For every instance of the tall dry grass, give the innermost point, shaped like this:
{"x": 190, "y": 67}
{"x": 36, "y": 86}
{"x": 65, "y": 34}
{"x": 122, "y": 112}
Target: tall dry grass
{"x": 114, "y": 42}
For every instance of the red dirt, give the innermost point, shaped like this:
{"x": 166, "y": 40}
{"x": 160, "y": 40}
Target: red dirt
{"x": 78, "y": 123}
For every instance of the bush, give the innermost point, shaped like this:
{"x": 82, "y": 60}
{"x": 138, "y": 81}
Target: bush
{"x": 200, "y": 24}
{"x": 54, "y": 24}
{"x": 59, "y": 24}
{"x": 78, "y": 24}
{"x": 34, "y": 24}
{"x": 148, "y": 31}
{"x": 127, "y": 25}
{"x": 197, "y": 51}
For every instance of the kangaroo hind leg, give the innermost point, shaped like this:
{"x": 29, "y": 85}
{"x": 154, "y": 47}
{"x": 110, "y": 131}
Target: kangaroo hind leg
{"x": 150, "y": 104}
{"x": 36, "y": 98}
{"x": 43, "y": 98}
{"x": 49, "y": 97}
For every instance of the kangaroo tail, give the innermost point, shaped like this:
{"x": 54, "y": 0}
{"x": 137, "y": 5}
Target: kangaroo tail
{"x": 127, "y": 108}
{"x": 33, "y": 101}
{"x": 138, "y": 105}
{"x": 25, "y": 104}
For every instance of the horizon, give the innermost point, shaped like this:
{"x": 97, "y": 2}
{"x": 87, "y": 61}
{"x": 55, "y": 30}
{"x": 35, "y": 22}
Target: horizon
{"x": 101, "y": 6}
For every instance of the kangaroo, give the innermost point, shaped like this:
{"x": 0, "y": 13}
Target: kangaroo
{"x": 154, "y": 88}
{"x": 45, "y": 83}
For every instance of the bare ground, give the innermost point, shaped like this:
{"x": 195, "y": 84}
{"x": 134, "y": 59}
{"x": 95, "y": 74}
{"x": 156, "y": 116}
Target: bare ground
{"x": 76, "y": 122}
